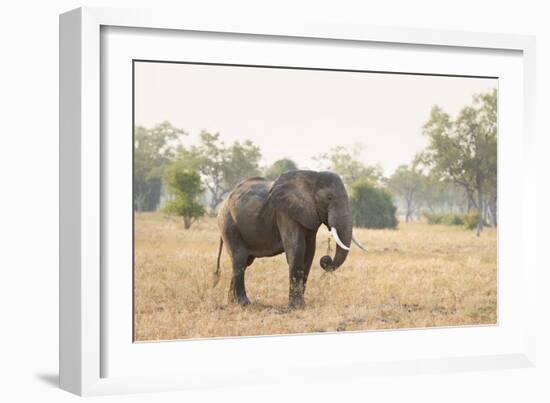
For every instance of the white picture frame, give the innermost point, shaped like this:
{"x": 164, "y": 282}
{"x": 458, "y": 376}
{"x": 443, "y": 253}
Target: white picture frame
{"x": 85, "y": 347}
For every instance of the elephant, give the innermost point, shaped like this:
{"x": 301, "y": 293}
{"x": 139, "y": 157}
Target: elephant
{"x": 261, "y": 218}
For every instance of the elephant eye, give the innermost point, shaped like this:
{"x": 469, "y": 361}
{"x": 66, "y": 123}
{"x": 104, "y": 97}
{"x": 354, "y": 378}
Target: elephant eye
{"x": 329, "y": 196}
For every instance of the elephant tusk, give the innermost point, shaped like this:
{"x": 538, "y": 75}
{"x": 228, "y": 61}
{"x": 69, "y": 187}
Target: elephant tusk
{"x": 358, "y": 243}
{"x": 334, "y": 234}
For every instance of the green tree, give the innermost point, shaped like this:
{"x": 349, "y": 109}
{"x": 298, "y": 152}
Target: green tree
{"x": 441, "y": 196}
{"x": 185, "y": 187}
{"x": 279, "y": 167}
{"x": 221, "y": 167}
{"x": 464, "y": 151}
{"x": 407, "y": 184}
{"x": 153, "y": 149}
{"x": 346, "y": 163}
{"x": 243, "y": 162}
{"x": 372, "y": 206}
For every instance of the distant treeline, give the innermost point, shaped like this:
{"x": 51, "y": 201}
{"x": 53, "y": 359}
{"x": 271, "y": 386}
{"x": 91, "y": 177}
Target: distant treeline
{"x": 456, "y": 173}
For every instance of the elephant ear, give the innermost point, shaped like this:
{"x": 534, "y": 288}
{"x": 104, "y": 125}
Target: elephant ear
{"x": 292, "y": 194}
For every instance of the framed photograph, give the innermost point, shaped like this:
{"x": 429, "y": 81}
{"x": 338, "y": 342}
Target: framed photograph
{"x": 251, "y": 202}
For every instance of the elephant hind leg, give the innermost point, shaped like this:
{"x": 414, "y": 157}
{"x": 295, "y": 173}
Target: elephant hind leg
{"x": 240, "y": 259}
{"x": 237, "y": 290}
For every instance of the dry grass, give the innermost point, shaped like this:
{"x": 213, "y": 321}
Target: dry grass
{"x": 416, "y": 276}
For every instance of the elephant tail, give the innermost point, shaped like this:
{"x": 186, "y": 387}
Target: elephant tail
{"x": 217, "y": 272}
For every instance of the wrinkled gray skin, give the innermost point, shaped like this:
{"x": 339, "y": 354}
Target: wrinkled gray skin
{"x": 261, "y": 218}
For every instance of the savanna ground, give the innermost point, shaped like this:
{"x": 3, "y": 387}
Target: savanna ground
{"x": 417, "y": 276}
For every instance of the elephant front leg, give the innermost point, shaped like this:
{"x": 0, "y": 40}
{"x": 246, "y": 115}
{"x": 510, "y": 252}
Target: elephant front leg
{"x": 299, "y": 271}
{"x": 293, "y": 239}
{"x": 309, "y": 254}
{"x": 296, "y": 288}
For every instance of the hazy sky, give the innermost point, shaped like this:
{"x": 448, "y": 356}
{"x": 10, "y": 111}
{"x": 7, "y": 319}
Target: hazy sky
{"x": 300, "y": 113}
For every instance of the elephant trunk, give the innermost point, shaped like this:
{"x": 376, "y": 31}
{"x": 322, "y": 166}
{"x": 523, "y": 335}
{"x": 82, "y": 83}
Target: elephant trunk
{"x": 340, "y": 224}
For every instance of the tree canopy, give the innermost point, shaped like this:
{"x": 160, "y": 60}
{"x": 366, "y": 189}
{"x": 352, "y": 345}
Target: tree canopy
{"x": 372, "y": 205}
{"x": 464, "y": 150}
{"x": 185, "y": 187}
{"x": 278, "y": 167}
{"x": 221, "y": 167}
{"x": 345, "y": 161}
{"x": 153, "y": 150}
{"x": 408, "y": 184}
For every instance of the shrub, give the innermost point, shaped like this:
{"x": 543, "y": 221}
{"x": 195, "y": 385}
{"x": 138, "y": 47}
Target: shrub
{"x": 433, "y": 218}
{"x": 444, "y": 218}
{"x": 471, "y": 220}
{"x": 453, "y": 219}
{"x": 468, "y": 220}
{"x": 372, "y": 206}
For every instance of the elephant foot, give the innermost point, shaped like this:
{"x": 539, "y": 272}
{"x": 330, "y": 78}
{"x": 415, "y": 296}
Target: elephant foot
{"x": 296, "y": 303}
{"x": 239, "y": 300}
{"x": 243, "y": 301}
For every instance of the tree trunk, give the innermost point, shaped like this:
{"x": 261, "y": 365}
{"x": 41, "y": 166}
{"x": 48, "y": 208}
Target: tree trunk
{"x": 471, "y": 201}
{"x": 140, "y": 200}
{"x": 409, "y": 212}
{"x": 216, "y": 200}
{"x": 187, "y": 221}
{"x": 213, "y": 204}
{"x": 480, "y": 206}
{"x": 493, "y": 208}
